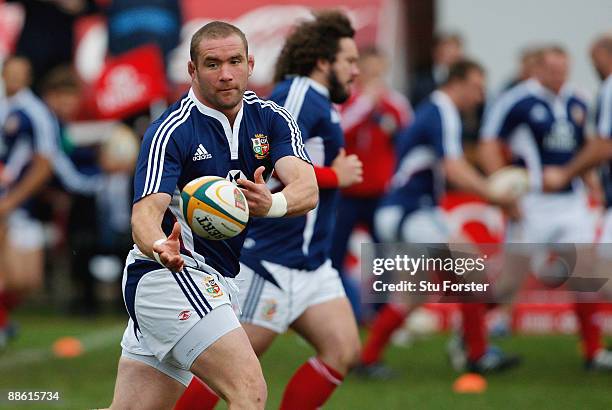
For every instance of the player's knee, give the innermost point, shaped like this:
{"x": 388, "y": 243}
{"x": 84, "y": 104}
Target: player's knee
{"x": 250, "y": 392}
{"x": 343, "y": 354}
{"x": 352, "y": 354}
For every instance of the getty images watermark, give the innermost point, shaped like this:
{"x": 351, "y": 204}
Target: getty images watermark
{"x": 418, "y": 273}
{"x": 409, "y": 265}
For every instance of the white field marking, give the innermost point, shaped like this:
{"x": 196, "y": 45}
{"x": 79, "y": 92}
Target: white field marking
{"x": 91, "y": 342}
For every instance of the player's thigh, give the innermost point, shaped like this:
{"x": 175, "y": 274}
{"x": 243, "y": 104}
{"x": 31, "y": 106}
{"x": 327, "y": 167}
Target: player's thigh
{"x": 331, "y": 328}
{"x": 229, "y": 364}
{"x": 260, "y": 337}
{"x": 24, "y": 267}
{"x": 154, "y": 389}
{"x": 23, "y": 251}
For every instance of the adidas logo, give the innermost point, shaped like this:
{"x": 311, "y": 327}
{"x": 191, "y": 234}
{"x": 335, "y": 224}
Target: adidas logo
{"x": 201, "y": 154}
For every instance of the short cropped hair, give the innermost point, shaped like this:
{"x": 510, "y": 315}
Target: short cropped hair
{"x": 61, "y": 78}
{"x": 313, "y": 40}
{"x": 604, "y": 42}
{"x": 215, "y": 29}
{"x": 442, "y": 38}
{"x": 460, "y": 70}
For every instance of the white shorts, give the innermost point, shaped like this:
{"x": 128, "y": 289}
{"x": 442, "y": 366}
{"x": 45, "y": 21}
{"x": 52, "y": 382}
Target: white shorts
{"x": 275, "y": 307}
{"x": 554, "y": 218}
{"x": 426, "y": 225}
{"x": 165, "y": 306}
{"x": 25, "y": 232}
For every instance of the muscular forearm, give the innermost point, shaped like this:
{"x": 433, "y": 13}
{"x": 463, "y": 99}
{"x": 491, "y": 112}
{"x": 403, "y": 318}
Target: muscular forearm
{"x": 490, "y": 156}
{"x": 146, "y": 225}
{"x": 596, "y": 151}
{"x": 462, "y": 175}
{"x": 302, "y": 194}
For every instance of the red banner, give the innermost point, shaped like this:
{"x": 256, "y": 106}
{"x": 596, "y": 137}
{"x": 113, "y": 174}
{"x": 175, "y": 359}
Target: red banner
{"x": 130, "y": 83}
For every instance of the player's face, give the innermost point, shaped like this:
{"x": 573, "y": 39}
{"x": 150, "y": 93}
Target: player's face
{"x": 64, "y": 103}
{"x": 554, "y": 71}
{"x": 601, "y": 59}
{"x": 221, "y": 73}
{"x": 343, "y": 71}
{"x": 448, "y": 52}
{"x": 372, "y": 68}
{"x": 16, "y": 75}
{"x": 473, "y": 90}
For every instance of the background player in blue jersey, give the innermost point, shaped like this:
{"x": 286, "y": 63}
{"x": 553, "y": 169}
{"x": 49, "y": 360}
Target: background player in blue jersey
{"x": 29, "y": 150}
{"x": 597, "y": 149}
{"x": 429, "y": 154}
{"x": 28, "y": 143}
{"x": 543, "y": 121}
{"x": 176, "y": 326}
{"x": 288, "y": 277}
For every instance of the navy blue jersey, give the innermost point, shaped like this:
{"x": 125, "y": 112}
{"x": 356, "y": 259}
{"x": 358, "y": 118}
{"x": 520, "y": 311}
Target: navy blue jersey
{"x": 302, "y": 242}
{"x": 434, "y": 135}
{"x": 540, "y": 127}
{"x": 603, "y": 129}
{"x": 191, "y": 140}
{"x": 29, "y": 129}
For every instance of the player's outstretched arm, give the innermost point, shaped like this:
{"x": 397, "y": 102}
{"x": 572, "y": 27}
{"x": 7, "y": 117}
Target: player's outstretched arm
{"x": 465, "y": 177}
{"x": 594, "y": 152}
{"x": 38, "y": 173}
{"x": 299, "y": 196}
{"x": 301, "y": 190}
{"x": 147, "y": 216}
{"x": 490, "y": 156}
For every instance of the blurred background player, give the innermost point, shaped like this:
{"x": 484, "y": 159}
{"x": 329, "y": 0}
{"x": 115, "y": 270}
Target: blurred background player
{"x": 527, "y": 65}
{"x": 371, "y": 119}
{"x": 600, "y": 148}
{"x": 597, "y": 149}
{"x": 543, "y": 120}
{"x": 447, "y": 50}
{"x": 78, "y": 175}
{"x": 429, "y": 152}
{"x": 27, "y": 146}
{"x": 287, "y": 279}
{"x": 60, "y": 104}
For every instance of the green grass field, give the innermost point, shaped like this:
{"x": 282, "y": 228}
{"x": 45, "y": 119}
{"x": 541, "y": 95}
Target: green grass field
{"x": 552, "y": 376}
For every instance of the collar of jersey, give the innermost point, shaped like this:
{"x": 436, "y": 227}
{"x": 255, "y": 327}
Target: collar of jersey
{"x": 556, "y": 101}
{"x": 318, "y": 87}
{"x": 20, "y": 96}
{"x": 442, "y": 98}
{"x": 230, "y": 134}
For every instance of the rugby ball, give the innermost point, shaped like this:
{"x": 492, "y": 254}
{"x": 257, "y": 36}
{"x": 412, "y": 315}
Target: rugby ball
{"x": 511, "y": 180}
{"x": 214, "y": 208}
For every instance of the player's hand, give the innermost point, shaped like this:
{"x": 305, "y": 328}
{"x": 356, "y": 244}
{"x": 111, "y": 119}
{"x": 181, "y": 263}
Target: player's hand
{"x": 257, "y": 193}
{"x": 508, "y": 203}
{"x": 348, "y": 168}
{"x": 554, "y": 178}
{"x": 5, "y": 208}
{"x": 170, "y": 250}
